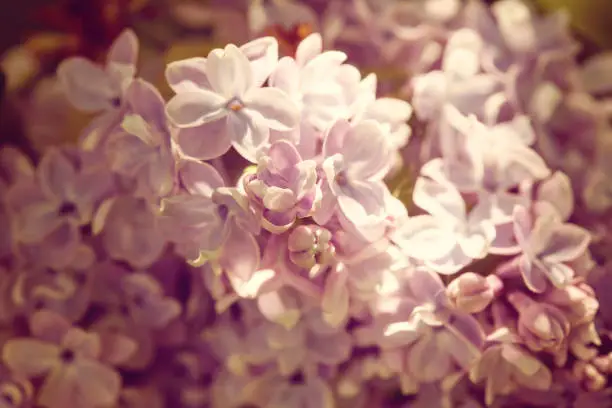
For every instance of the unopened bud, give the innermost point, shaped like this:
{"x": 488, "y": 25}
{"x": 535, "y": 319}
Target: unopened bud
{"x": 473, "y": 293}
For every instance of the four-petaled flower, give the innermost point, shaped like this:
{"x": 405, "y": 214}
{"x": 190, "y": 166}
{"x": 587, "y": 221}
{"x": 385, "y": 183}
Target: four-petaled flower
{"x": 232, "y": 93}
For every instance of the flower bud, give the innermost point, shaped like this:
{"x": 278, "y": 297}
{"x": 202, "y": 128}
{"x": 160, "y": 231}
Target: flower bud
{"x": 588, "y": 374}
{"x": 473, "y": 293}
{"x": 310, "y": 245}
{"x": 577, "y": 301}
{"x": 542, "y": 326}
{"x": 583, "y": 341}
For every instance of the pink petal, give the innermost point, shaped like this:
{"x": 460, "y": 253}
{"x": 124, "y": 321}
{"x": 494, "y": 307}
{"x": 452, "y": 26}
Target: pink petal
{"x": 88, "y": 87}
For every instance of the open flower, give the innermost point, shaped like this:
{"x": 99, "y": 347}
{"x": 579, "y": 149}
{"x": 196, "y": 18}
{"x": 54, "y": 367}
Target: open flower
{"x": 142, "y": 150}
{"x": 448, "y": 238}
{"x": 74, "y": 375}
{"x": 356, "y": 158}
{"x": 92, "y": 88}
{"x": 233, "y": 95}
{"x": 200, "y": 219}
{"x": 505, "y": 366}
{"x": 547, "y": 245}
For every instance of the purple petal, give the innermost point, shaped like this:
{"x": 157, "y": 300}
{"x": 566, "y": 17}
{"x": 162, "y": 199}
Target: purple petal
{"x": 533, "y": 275}
{"x": 187, "y": 75}
{"x": 57, "y": 174}
{"x": 440, "y": 200}
{"x": 278, "y": 111}
{"x": 596, "y": 74}
{"x": 567, "y": 243}
{"x": 422, "y": 237}
{"x": 334, "y": 138}
{"x": 195, "y": 108}
{"x": 204, "y": 142}
{"x": 88, "y": 87}
{"x": 229, "y": 72}
{"x": 248, "y": 133}
{"x": 241, "y": 254}
{"x": 263, "y": 56}
{"x": 367, "y": 150}
{"x": 146, "y": 101}
{"x": 557, "y": 190}
{"x": 200, "y": 178}
{"x": 124, "y": 49}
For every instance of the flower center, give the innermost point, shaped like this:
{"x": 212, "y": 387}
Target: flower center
{"x": 67, "y": 356}
{"x": 67, "y": 208}
{"x": 223, "y": 211}
{"x": 235, "y": 104}
{"x": 341, "y": 179}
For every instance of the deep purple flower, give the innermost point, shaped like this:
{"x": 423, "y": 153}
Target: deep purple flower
{"x": 284, "y": 186}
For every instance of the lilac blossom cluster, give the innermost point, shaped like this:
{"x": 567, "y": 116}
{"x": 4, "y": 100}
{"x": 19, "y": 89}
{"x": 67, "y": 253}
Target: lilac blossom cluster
{"x": 238, "y": 245}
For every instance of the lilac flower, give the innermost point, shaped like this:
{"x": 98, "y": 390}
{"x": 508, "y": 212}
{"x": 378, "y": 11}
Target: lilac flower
{"x": 409, "y": 345}
{"x": 312, "y": 80}
{"x": 547, "y": 245}
{"x": 284, "y": 185}
{"x": 447, "y": 239}
{"x": 74, "y": 375}
{"x": 92, "y": 88}
{"x": 130, "y": 230}
{"x": 505, "y": 367}
{"x": 460, "y": 85}
{"x": 310, "y": 343}
{"x": 143, "y": 150}
{"x": 146, "y": 302}
{"x": 64, "y": 291}
{"x": 67, "y": 192}
{"x": 200, "y": 220}
{"x": 356, "y": 158}
{"x": 488, "y": 161}
{"x": 234, "y": 94}
{"x": 393, "y": 114}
